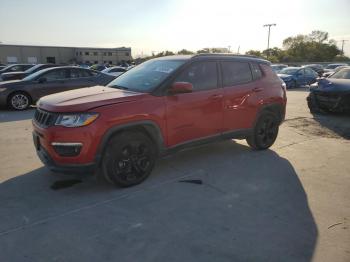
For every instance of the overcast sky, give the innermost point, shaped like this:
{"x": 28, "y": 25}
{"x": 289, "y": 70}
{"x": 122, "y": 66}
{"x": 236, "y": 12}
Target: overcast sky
{"x": 156, "y": 25}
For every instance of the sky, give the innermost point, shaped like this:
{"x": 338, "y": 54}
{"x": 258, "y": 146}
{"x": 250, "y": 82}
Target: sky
{"x": 155, "y": 25}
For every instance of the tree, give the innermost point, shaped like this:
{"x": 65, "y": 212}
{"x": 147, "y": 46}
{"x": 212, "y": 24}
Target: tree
{"x": 185, "y": 52}
{"x": 253, "y": 52}
{"x": 318, "y": 36}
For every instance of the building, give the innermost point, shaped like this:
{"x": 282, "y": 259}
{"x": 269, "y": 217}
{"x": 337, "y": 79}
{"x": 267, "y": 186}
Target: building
{"x": 11, "y": 54}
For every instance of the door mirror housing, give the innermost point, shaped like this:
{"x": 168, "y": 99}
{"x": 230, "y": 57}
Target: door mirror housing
{"x": 42, "y": 80}
{"x": 181, "y": 88}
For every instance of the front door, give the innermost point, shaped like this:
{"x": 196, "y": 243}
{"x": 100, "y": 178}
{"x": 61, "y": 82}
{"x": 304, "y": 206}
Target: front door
{"x": 199, "y": 114}
{"x": 52, "y": 82}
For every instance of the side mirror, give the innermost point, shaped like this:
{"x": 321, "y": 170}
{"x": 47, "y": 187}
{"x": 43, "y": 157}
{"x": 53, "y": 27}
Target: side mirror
{"x": 42, "y": 80}
{"x": 180, "y": 88}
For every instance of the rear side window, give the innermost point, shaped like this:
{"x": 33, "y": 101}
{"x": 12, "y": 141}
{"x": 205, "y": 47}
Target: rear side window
{"x": 79, "y": 73}
{"x": 202, "y": 75}
{"x": 236, "y": 73}
{"x": 256, "y": 71}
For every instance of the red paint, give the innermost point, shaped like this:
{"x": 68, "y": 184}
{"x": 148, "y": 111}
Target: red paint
{"x": 180, "y": 117}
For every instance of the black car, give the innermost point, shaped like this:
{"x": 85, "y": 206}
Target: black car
{"x": 331, "y": 94}
{"x": 16, "y": 68}
{"x": 20, "y": 75}
{"x": 20, "y": 94}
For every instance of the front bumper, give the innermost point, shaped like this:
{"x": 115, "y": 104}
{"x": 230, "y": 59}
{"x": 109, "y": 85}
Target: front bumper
{"x": 60, "y": 168}
{"x": 332, "y": 101}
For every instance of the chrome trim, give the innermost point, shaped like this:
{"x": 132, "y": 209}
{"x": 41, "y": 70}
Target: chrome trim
{"x": 66, "y": 144}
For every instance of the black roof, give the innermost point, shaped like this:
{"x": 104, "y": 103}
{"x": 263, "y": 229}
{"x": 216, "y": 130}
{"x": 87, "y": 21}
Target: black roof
{"x": 247, "y": 58}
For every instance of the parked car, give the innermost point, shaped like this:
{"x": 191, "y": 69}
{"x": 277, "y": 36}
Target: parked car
{"x": 20, "y": 94}
{"x": 331, "y": 72}
{"x": 331, "y": 94}
{"x": 159, "y": 106}
{"x": 98, "y": 67}
{"x": 316, "y": 67}
{"x": 20, "y": 75}
{"x": 114, "y": 71}
{"x": 334, "y": 66}
{"x": 16, "y": 68}
{"x": 2, "y": 67}
{"x": 297, "y": 76}
{"x": 278, "y": 67}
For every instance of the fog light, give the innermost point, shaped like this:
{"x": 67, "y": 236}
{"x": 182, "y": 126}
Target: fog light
{"x": 67, "y": 149}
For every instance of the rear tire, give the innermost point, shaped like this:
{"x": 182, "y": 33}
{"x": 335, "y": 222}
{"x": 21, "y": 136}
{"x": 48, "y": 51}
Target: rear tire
{"x": 129, "y": 159}
{"x": 265, "y": 131}
{"x": 19, "y": 101}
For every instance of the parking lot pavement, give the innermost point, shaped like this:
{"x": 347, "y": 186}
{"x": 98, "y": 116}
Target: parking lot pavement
{"x": 289, "y": 203}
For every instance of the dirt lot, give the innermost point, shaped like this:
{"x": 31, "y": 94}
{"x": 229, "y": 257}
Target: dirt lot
{"x": 290, "y": 203}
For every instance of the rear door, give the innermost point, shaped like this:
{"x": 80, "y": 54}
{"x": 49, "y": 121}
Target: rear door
{"x": 240, "y": 95}
{"x": 199, "y": 114}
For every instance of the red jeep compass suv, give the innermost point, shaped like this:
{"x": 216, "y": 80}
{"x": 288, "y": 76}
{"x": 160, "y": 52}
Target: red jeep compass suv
{"x": 159, "y": 106}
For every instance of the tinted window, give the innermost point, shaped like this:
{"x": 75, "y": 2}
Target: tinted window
{"x": 55, "y": 75}
{"x": 256, "y": 71}
{"x": 202, "y": 75}
{"x": 78, "y": 73}
{"x": 236, "y": 73}
{"x": 309, "y": 72}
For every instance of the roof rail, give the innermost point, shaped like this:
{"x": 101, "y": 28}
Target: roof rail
{"x": 225, "y": 54}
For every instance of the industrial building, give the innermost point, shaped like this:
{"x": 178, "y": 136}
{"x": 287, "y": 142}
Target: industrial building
{"x": 11, "y": 54}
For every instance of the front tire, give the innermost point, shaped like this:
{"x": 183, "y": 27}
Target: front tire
{"x": 265, "y": 131}
{"x": 19, "y": 101}
{"x": 129, "y": 159}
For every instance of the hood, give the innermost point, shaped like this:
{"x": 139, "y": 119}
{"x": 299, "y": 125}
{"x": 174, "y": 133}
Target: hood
{"x": 284, "y": 76}
{"x": 333, "y": 85}
{"x": 83, "y": 99}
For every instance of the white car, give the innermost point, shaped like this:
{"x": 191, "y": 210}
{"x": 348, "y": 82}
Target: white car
{"x": 114, "y": 71}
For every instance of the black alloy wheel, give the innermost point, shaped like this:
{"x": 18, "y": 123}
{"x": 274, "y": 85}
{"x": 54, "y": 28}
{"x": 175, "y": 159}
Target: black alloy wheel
{"x": 265, "y": 131}
{"x": 129, "y": 159}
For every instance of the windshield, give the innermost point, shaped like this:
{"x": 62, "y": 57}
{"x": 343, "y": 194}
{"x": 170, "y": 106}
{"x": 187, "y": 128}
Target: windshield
{"x": 289, "y": 71}
{"x": 342, "y": 74}
{"x": 32, "y": 69}
{"x": 35, "y": 75}
{"x": 147, "y": 75}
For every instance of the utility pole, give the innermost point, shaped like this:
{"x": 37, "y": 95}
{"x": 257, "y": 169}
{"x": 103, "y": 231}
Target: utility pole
{"x": 342, "y": 46}
{"x": 238, "y": 49}
{"x": 268, "y": 37}
{"x": 229, "y": 48}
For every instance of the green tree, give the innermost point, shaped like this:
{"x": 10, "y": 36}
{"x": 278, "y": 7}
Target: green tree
{"x": 185, "y": 52}
{"x": 254, "y": 53}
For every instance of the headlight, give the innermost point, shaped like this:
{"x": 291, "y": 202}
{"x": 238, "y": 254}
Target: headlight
{"x": 76, "y": 120}
{"x": 2, "y": 89}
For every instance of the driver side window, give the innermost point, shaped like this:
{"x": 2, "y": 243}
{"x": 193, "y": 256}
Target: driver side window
{"x": 55, "y": 75}
{"x": 202, "y": 75}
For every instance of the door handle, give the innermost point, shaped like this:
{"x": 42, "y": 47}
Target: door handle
{"x": 217, "y": 96}
{"x": 257, "y": 89}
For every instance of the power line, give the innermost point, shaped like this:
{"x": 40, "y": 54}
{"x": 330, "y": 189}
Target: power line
{"x": 342, "y": 45}
{"x": 268, "y": 36}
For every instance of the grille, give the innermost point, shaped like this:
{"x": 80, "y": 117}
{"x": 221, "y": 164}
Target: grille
{"x": 44, "y": 118}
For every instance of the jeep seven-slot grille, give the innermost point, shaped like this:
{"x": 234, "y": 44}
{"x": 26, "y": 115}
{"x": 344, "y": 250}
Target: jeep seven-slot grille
{"x": 44, "y": 118}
